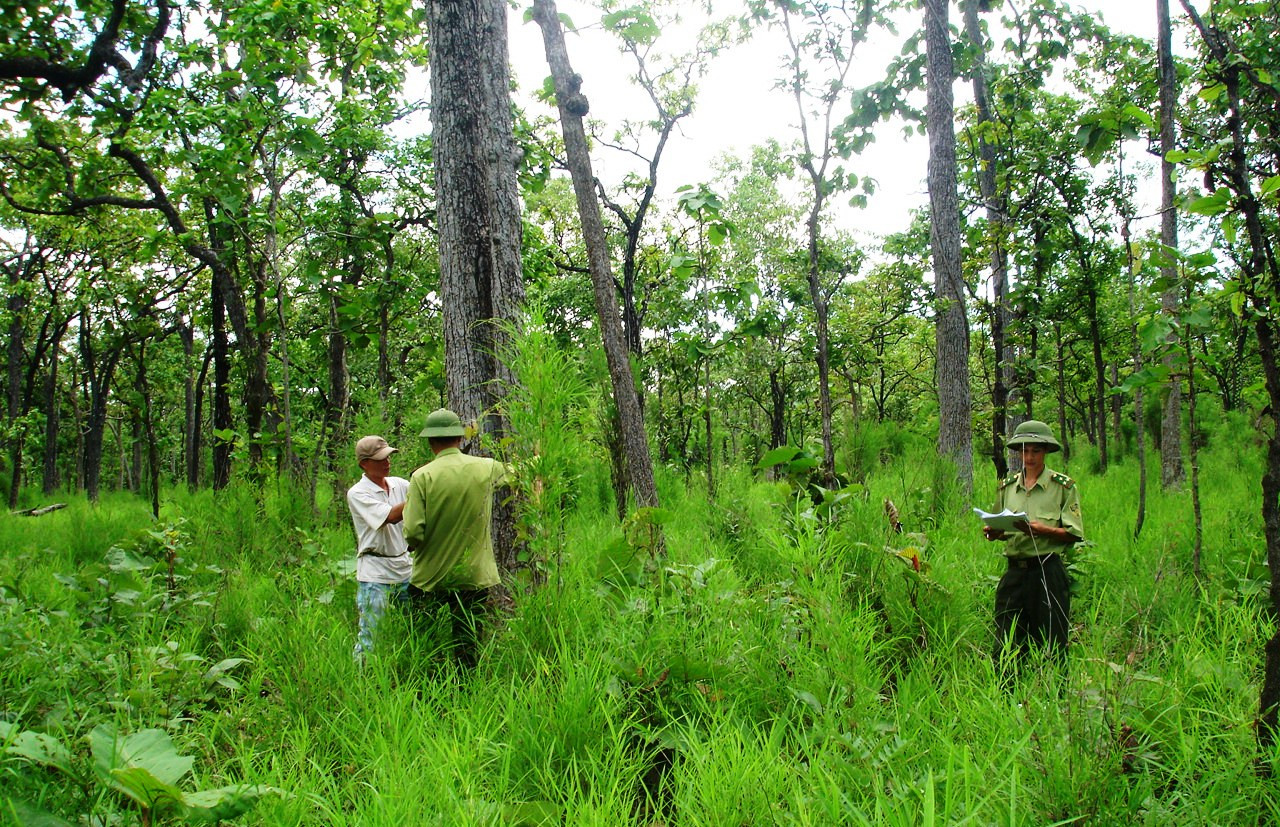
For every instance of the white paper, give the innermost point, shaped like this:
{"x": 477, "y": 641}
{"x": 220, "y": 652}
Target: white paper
{"x": 1004, "y": 521}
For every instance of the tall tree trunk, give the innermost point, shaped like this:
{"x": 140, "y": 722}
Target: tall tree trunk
{"x": 222, "y": 447}
{"x": 1099, "y": 366}
{"x": 149, "y": 432}
{"x": 573, "y": 106}
{"x": 479, "y": 217}
{"x": 994, "y": 201}
{"x": 99, "y": 369}
{"x": 337, "y": 425}
{"x": 1139, "y": 423}
{"x": 52, "y": 418}
{"x": 1193, "y": 456}
{"x": 1171, "y": 472}
{"x": 1260, "y": 281}
{"x": 186, "y": 332}
{"x": 955, "y": 422}
{"x": 1060, "y": 362}
{"x": 16, "y": 357}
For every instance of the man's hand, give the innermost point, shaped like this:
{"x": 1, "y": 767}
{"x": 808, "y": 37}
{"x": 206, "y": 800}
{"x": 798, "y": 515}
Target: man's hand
{"x": 991, "y": 533}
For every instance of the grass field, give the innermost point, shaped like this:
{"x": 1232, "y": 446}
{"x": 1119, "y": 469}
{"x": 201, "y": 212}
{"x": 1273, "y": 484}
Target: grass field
{"x": 773, "y": 668}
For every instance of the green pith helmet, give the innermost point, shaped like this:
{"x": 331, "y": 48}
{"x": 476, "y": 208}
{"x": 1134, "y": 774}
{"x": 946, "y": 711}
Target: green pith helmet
{"x": 443, "y": 423}
{"x": 1033, "y": 432}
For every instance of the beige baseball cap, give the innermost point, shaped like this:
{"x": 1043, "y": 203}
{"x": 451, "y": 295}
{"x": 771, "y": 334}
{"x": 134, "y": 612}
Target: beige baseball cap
{"x": 373, "y": 447}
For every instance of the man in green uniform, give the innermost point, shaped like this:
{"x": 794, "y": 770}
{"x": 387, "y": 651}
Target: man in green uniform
{"x": 1033, "y": 598}
{"x": 447, "y": 517}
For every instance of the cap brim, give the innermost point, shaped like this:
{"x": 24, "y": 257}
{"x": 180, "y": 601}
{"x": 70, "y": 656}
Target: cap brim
{"x": 382, "y": 453}
{"x": 1049, "y": 447}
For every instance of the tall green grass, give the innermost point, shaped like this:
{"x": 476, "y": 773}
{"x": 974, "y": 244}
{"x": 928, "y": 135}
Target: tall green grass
{"x": 774, "y": 668}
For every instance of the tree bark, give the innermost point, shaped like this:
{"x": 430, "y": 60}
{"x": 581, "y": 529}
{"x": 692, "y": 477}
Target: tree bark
{"x": 1260, "y": 281}
{"x": 221, "y": 393}
{"x": 1171, "y": 471}
{"x": 17, "y": 357}
{"x": 52, "y": 418}
{"x": 99, "y": 370}
{"x": 573, "y": 106}
{"x": 955, "y": 428}
{"x": 479, "y": 219}
{"x": 994, "y": 201}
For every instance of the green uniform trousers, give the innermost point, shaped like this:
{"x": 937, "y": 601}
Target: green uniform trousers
{"x": 1033, "y": 605}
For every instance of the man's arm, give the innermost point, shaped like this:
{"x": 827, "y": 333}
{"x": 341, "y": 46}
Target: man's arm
{"x": 413, "y": 513}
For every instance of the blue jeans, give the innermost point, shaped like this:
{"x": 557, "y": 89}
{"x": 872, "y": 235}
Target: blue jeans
{"x": 372, "y": 599}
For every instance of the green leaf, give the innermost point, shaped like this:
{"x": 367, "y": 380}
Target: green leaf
{"x": 807, "y": 698}
{"x": 1215, "y": 204}
{"x": 1270, "y": 185}
{"x": 119, "y": 560}
{"x": 1211, "y": 93}
{"x": 28, "y": 815}
{"x": 144, "y": 766}
{"x": 145, "y": 788}
{"x": 224, "y": 803}
{"x": 218, "y": 672}
{"x": 785, "y": 453}
{"x": 36, "y": 747}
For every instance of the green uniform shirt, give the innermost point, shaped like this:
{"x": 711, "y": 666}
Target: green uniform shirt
{"x": 446, "y": 521}
{"x": 1054, "y": 500}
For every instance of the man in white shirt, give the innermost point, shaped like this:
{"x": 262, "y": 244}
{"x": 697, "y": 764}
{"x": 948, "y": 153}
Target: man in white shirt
{"x": 383, "y": 564}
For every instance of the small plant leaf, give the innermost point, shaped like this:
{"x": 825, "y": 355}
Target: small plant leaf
{"x": 213, "y": 806}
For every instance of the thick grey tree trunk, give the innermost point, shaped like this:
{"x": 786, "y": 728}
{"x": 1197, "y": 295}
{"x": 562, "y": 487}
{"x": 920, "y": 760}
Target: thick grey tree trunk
{"x": 478, "y": 206}
{"x": 955, "y": 429}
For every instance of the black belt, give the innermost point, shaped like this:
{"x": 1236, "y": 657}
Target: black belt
{"x": 1029, "y": 562}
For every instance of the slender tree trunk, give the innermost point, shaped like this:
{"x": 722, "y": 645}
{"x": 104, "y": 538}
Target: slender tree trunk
{"x": 573, "y": 106}
{"x": 996, "y": 231}
{"x": 186, "y": 332}
{"x": 52, "y": 419}
{"x": 1139, "y": 423}
{"x": 222, "y": 423}
{"x": 1171, "y": 472}
{"x": 17, "y": 357}
{"x": 336, "y": 417}
{"x": 149, "y": 432}
{"x": 1260, "y": 282}
{"x": 1060, "y": 362}
{"x": 1099, "y": 368}
{"x": 99, "y": 370}
{"x": 1193, "y": 456}
{"x": 1115, "y": 407}
{"x": 955, "y": 421}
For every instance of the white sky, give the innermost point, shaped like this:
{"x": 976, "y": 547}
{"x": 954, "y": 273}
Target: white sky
{"x": 737, "y": 107}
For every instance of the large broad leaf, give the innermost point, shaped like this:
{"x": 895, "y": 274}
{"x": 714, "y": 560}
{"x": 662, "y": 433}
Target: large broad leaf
{"x": 144, "y": 766}
{"x": 36, "y": 747}
{"x": 785, "y": 453}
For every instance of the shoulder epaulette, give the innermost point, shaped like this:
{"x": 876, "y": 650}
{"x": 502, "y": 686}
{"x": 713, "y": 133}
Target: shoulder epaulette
{"x": 1009, "y": 480}
{"x": 1063, "y": 480}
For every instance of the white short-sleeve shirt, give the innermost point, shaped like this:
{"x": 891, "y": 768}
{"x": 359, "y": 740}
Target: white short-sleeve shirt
{"x": 382, "y": 556}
